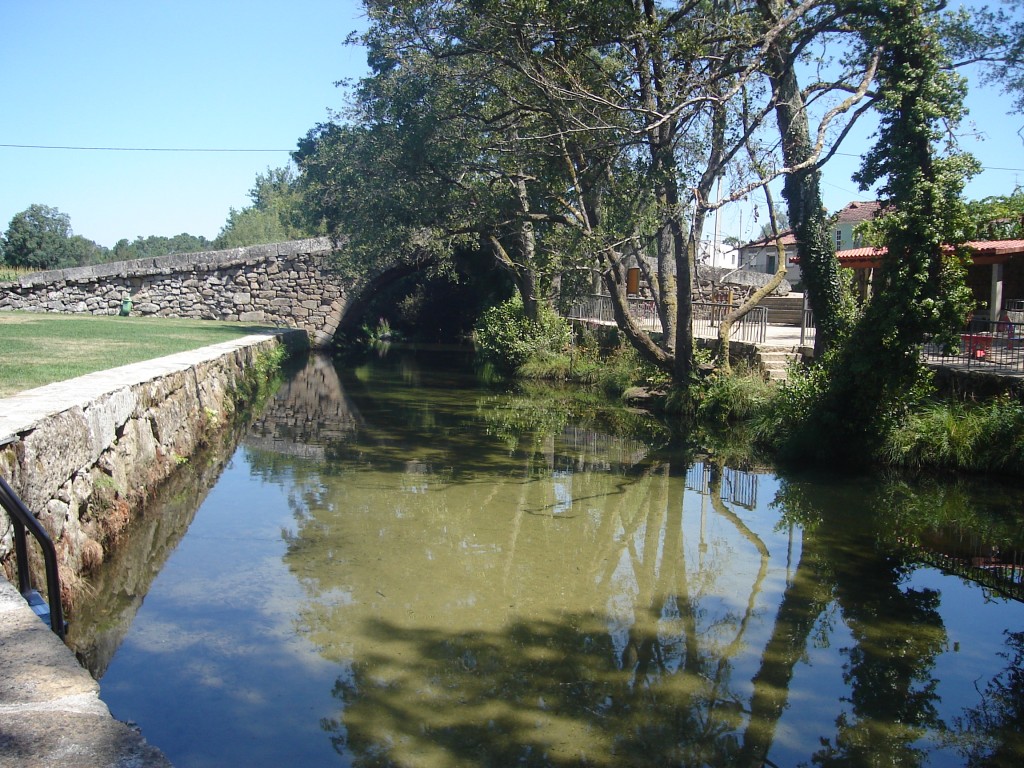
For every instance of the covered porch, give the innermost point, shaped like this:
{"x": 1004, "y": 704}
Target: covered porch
{"x": 995, "y": 276}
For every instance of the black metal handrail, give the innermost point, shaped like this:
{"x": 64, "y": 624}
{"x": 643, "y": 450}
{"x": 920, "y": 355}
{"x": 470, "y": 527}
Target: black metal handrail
{"x": 22, "y": 519}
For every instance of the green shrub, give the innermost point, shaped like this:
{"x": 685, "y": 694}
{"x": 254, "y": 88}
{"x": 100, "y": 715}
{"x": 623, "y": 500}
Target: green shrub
{"x": 735, "y": 397}
{"x": 782, "y": 425}
{"x": 624, "y": 368}
{"x": 507, "y": 339}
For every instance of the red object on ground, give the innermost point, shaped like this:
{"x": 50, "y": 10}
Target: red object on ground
{"x": 976, "y": 345}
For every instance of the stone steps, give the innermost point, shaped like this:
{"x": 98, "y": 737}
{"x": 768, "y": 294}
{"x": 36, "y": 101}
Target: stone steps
{"x": 775, "y": 361}
{"x": 784, "y": 310}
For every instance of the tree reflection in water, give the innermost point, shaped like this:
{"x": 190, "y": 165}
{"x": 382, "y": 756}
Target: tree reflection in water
{"x": 520, "y": 578}
{"x": 645, "y": 683}
{"x": 607, "y": 645}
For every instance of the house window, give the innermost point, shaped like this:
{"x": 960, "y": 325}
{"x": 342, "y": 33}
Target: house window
{"x": 839, "y": 239}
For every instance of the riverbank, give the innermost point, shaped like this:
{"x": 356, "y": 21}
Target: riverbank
{"x": 83, "y": 454}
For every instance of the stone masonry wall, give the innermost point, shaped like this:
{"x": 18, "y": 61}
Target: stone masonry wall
{"x": 84, "y": 455}
{"x": 287, "y": 284}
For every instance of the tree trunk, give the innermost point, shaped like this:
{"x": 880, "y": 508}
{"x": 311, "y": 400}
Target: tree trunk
{"x": 727, "y": 322}
{"x": 802, "y": 191}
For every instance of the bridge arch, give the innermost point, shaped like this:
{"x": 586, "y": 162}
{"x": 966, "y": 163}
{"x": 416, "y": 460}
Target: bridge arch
{"x": 298, "y": 284}
{"x": 362, "y": 291}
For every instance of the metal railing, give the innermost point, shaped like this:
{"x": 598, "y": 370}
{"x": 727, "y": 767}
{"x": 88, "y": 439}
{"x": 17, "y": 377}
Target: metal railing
{"x": 984, "y": 345}
{"x": 707, "y": 317}
{"x": 598, "y": 309}
{"x": 999, "y": 571}
{"x": 807, "y": 329}
{"x": 21, "y": 520}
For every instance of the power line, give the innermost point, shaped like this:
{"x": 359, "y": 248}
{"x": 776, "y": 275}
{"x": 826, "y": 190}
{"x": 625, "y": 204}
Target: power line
{"x": 218, "y": 149}
{"x": 984, "y": 167}
{"x": 138, "y": 149}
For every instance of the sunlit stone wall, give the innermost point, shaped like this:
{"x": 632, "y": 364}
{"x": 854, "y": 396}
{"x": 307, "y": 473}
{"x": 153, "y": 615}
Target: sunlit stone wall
{"x": 287, "y": 284}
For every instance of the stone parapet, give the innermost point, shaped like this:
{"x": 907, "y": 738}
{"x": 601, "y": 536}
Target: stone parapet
{"x": 290, "y": 284}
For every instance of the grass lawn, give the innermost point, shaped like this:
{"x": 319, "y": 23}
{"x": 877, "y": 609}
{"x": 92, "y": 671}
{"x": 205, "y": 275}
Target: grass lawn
{"x": 41, "y": 348}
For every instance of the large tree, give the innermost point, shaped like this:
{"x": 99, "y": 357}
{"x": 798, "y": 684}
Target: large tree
{"x": 557, "y": 135}
{"x": 40, "y": 237}
{"x": 868, "y": 381}
{"x": 277, "y": 213}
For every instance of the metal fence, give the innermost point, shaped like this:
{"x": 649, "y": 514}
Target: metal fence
{"x": 738, "y": 487}
{"x": 598, "y": 309}
{"x": 807, "y": 329}
{"x": 707, "y": 317}
{"x": 985, "y": 345}
{"x": 996, "y": 569}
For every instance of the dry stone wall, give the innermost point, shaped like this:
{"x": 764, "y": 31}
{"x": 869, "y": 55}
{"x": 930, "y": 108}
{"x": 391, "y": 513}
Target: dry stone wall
{"x": 287, "y": 284}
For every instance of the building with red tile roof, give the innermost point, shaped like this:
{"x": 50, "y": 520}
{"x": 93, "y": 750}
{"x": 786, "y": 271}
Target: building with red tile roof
{"x": 995, "y": 274}
{"x": 761, "y": 255}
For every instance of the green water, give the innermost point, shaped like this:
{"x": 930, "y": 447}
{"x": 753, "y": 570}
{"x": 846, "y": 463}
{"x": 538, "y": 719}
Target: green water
{"x": 400, "y": 566}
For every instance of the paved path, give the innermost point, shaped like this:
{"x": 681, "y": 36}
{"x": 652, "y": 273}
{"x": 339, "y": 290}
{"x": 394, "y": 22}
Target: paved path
{"x": 51, "y": 715}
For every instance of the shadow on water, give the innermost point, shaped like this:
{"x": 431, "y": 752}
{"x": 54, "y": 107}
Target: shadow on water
{"x": 492, "y": 577}
{"x": 99, "y": 623}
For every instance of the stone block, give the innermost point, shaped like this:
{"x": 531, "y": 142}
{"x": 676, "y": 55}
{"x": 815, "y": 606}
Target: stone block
{"x": 52, "y": 453}
{"x": 108, "y": 414}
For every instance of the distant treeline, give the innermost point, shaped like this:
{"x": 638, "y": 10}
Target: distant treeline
{"x": 41, "y": 238}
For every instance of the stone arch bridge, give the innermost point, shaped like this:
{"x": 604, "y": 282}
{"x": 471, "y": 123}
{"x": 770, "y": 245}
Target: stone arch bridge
{"x": 294, "y": 284}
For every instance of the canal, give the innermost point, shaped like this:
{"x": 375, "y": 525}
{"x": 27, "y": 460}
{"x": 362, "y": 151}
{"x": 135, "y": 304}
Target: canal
{"x": 399, "y": 565}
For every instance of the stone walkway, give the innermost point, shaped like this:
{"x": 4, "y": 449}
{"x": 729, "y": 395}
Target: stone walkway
{"x": 51, "y": 714}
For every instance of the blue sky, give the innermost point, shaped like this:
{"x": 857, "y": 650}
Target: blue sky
{"x": 211, "y": 74}
{"x": 233, "y": 74}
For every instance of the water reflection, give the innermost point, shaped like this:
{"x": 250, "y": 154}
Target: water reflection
{"x": 497, "y": 578}
{"x": 106, "y": 610}
{"x": 991, "y": 733}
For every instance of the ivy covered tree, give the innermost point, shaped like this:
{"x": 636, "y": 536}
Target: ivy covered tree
{"x": 864, "y": 385}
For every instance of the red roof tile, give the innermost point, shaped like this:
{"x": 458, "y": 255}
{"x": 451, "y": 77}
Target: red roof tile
{"x": 787, "y": 237}
{"x": 982, "y": 251}
{"x": 858, "y": 211}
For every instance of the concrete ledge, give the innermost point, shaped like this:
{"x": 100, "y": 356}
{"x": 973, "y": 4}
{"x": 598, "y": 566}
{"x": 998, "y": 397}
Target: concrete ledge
{"x": 25, "y": 410}
{"x": 50, "y": 710}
